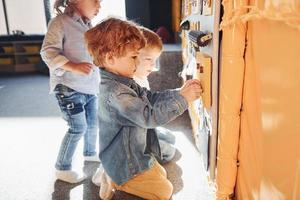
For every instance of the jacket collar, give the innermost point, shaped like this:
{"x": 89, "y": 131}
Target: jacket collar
{"x": 124, "y": 80}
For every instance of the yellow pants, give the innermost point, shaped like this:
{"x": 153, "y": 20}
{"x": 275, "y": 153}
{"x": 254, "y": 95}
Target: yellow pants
{"x": 151, "y": 184}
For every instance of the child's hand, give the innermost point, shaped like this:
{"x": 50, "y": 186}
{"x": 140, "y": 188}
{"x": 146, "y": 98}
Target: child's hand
{"x": 83, "y": 68}
{"x": 191, "y": 90}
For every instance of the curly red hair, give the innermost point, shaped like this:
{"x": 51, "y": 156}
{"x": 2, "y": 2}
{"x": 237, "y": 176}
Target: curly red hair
{"x": 152, "y": 39}
{"x": 113, "y": 36}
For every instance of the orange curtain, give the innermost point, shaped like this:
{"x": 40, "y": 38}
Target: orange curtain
{"x": 259, "y": 100}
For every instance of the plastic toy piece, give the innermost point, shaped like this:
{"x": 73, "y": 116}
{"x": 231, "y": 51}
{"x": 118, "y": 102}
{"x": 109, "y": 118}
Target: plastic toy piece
{"x": 200, "y": 38}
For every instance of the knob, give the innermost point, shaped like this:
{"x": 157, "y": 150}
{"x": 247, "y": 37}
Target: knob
{"x": 200, "y": 38}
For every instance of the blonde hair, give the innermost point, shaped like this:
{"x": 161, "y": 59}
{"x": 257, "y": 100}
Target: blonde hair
{"x": 152, "y": 39}
{"x": 67, "y": 6}
{"x": 113, "y": 36}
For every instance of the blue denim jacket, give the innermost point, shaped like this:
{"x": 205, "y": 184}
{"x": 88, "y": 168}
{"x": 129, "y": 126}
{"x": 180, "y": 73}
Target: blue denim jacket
{"x": 126, "y": 112}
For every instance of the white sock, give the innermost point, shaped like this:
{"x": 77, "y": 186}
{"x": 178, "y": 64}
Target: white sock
{"x": 96, "y": 179}
{"x": 106, "y": 188}
{"x": 94, "y": 158}
{"x": 70, "y": 176}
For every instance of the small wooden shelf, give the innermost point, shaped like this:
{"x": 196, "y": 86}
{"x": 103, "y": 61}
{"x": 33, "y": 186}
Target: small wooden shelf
{"x": 21, "y": 54}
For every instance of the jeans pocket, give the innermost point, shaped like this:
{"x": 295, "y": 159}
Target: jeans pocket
{"x": 62, "y": 91}
{"x": 152, "y": 144}
{"x": 70, "y": 102}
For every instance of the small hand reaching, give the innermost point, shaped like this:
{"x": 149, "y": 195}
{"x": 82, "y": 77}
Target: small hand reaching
{"x": 191, "y": 90}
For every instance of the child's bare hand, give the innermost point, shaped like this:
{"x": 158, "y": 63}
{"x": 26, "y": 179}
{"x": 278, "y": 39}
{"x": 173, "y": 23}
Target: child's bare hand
{"x": 191, "y": 90}
{"x": 83, "y": 68}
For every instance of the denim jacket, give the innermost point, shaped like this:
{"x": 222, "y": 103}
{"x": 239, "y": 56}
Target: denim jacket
{"x": 126, "y": 112}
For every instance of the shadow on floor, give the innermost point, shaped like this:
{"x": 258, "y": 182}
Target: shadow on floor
{"x": 62, "y": 189}
{"x": 33, "y": 120}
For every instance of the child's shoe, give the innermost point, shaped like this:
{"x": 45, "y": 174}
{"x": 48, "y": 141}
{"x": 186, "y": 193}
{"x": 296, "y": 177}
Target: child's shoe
{"x": 70, "y": 176}
{"x": 106, "y": 188}
{"x": 96, "y": 179}
{"x": 94, "y": 158}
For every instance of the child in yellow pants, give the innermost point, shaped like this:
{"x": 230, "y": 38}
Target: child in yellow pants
{"x": 128, "y": 111}
{"x": 152, "y": 184}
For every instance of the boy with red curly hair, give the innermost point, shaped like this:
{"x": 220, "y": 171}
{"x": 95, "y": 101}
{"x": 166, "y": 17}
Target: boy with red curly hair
{"x": 127, "y": 152}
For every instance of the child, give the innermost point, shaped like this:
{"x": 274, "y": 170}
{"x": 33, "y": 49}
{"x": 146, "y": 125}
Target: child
{"x": 74, "y": 80}
{"x": 147, "y": 62}
{"x": 128, "y": 110}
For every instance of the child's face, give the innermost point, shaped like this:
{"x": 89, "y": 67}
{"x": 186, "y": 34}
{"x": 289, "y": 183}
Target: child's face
{"x": 125, "y": 65}
{"x": 88, "y": 8}
{"x": 147, "y": 61}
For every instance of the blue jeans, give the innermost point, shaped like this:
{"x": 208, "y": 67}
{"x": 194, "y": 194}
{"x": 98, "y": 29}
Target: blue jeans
{"x": 81, "y": 112}
{"x": 166, "y": 142}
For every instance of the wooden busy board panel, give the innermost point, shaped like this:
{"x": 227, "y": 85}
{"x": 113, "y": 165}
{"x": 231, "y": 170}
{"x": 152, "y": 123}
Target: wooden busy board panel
{"x": 200, "y": 21}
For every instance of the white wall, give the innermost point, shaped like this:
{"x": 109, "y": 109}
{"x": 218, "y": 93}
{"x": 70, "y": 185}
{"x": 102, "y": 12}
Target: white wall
{"x": 29, "y": 15}
{"x": 26, "y": 15}
{"x": 2, "y": 20}
{"x": 111, "y": 7}
{"x": 108, "y": 7}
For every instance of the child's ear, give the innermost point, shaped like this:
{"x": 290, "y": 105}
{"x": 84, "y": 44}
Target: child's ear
{"x": 109, "y": 59}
